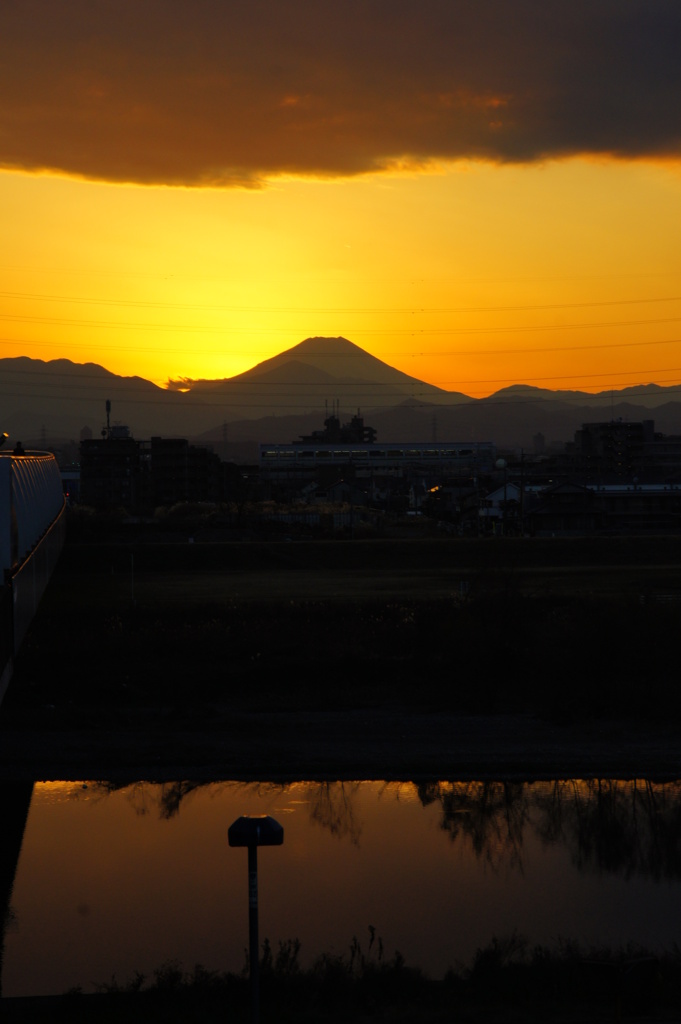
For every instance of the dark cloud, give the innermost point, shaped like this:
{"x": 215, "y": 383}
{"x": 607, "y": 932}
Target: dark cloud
{"x": 221, "y": 92}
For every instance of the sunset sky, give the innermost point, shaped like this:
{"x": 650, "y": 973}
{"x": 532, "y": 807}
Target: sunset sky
{"x": 479, "y": 193}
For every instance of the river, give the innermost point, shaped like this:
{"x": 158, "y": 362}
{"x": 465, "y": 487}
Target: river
{"x": 111, "y": 881}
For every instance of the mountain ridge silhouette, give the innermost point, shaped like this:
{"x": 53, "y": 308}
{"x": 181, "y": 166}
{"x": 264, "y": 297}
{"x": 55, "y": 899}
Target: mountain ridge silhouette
{"x": 292, "y": 392}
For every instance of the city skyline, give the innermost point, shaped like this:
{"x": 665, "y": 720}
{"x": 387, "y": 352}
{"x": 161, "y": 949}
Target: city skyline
{"x": 477, "y": 195}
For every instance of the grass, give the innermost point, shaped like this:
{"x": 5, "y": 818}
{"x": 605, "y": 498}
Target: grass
{"x": 507, "y": 981}
{"x": 475, "y": 627}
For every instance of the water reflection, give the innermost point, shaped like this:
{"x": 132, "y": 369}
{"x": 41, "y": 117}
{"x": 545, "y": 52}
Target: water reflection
{"x": 491, "y": 817}
{"x": 163, "y": 799}
{"x": 331, "y": 803}
{"x": 116, "y": 879}
{"x": 628, "y": 828}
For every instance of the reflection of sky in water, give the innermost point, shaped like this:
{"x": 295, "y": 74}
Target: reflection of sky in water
{"x": 113, "y": 882}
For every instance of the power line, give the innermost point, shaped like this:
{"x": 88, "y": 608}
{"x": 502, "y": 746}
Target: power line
{"x": 566, "y": 376}
{"x": 399, "y": 331}
{"x": 424, "y": 353}
{"x": 343, "y": 310}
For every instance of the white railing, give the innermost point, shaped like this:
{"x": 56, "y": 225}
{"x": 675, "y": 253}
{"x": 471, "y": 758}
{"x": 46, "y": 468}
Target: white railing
{"x": 32, "y": 529}
{"x": 31, "y": 498}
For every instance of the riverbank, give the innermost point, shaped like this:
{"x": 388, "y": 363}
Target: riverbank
{"x": 505, "y": 984}
{"x": 398, "y": 660}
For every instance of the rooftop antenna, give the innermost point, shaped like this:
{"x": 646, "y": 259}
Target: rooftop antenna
{"x": 108, "y": 417}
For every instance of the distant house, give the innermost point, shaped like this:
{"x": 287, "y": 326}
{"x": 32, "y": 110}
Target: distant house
{"x": 418, "y": 493}
{"x": 500, "y": 507}
{"x": 565, "y": 509}
{"x": 340, "y": 492}
{"x": 575, "y": 509}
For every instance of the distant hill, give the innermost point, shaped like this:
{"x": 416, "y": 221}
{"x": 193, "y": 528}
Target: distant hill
{"x": 647, "y": 396}
{"x": 55, "y": 400}
{"x": 289, "y": 395}
{"x": 314, "y": 374}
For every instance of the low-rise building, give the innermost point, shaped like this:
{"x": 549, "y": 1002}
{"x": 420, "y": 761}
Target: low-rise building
{"x": 117, "y": 471}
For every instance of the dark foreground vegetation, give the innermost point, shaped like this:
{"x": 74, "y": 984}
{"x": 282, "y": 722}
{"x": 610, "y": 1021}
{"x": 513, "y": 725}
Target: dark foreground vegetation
{"x": 506, "y": 982}
{"x": 562, "y": 629}
{"x": 138, "y": 634}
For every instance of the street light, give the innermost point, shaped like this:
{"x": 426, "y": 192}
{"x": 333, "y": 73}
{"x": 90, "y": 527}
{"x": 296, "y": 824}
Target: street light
{"x": 253, "y": 832}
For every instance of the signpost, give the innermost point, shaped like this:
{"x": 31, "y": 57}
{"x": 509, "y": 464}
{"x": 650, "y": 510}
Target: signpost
{"x": 253, "y": 832}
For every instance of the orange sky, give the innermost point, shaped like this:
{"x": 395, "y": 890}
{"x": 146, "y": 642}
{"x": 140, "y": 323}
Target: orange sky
{"x": 454, "y": 219}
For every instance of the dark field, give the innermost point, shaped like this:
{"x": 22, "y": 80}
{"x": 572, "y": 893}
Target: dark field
{"x": 559, "y": 628}
{"x": 430, "y": 645}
